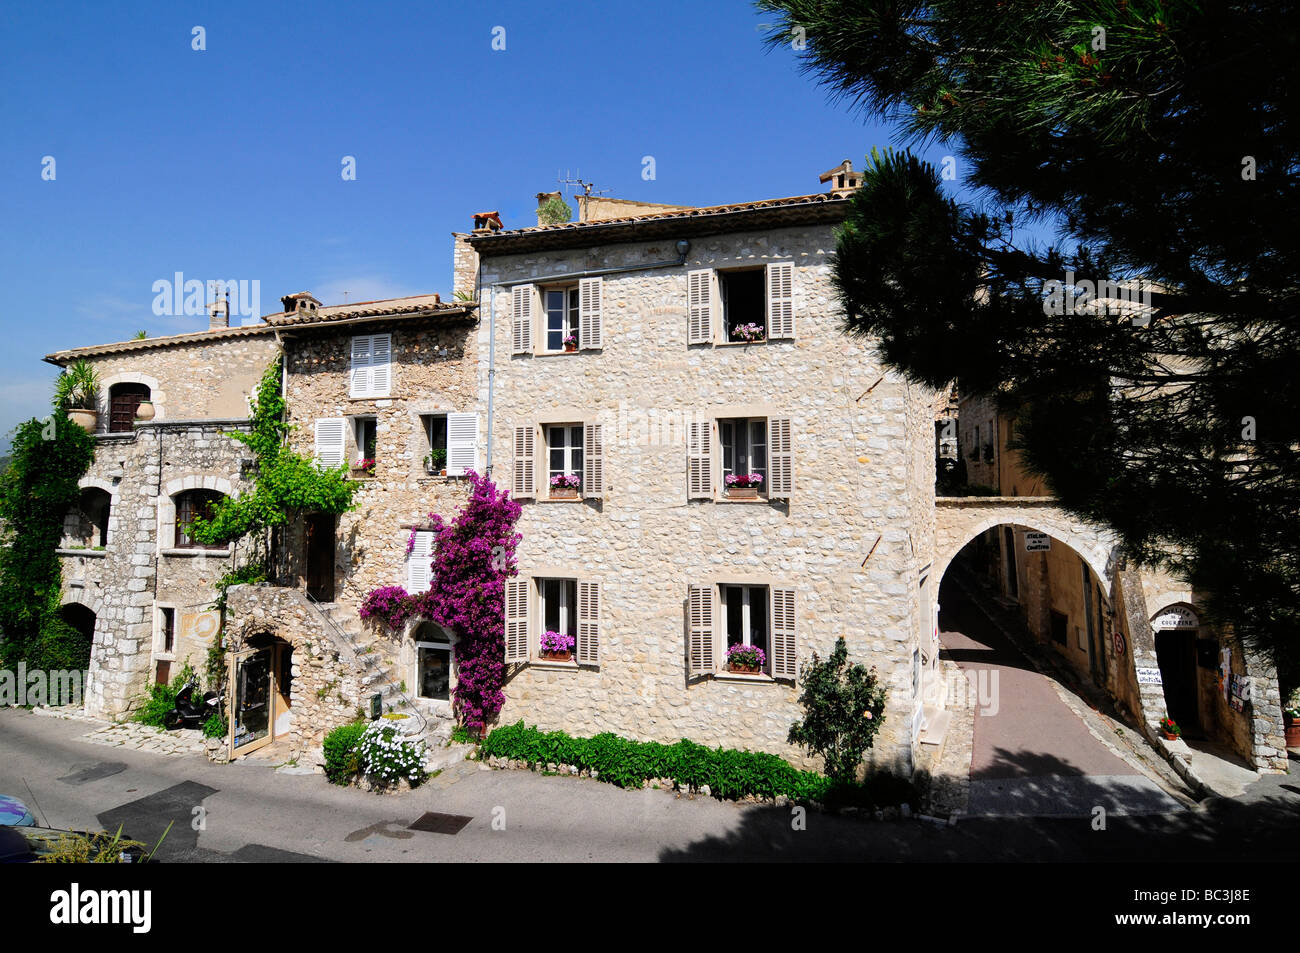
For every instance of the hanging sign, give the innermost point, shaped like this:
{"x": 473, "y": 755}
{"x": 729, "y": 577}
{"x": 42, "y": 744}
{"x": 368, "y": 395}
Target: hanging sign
{"x": 1175, "y": 617}
{"x": 1037, "y": 542}
{"x": 1149, "y": 676}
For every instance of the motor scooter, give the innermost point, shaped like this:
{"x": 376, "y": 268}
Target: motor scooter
{"x": 190, "y": 712}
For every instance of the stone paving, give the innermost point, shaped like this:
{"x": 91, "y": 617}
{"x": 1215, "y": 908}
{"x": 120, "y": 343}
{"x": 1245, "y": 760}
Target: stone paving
{"x": 950, "y": 778}
{"x": 183, "y": 741}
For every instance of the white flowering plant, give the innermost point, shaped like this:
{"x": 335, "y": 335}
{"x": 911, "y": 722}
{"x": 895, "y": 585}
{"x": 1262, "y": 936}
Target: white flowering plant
{"x": 387, "y": 758}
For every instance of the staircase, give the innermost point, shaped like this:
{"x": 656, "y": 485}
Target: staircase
{"x": 377, "y": 658}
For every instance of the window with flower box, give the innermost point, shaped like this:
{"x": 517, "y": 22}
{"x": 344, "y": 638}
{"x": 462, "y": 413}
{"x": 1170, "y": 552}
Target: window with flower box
{"x": 557, "y": 318}
{"x": 731, "y": 624}
{"x": 739, "y": 458}
{"x": 571, "y": 464}
{"x": 365, "y": 444}
{"x": 553, "y": 619}
{"x": 740, "y": 305}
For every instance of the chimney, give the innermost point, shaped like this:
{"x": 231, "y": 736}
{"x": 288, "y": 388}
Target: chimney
{"x": 301, "y": 303}
{"x": 219, "y": 313}
{"x": 487, "y": 222}
{"x": 844, "y": 181}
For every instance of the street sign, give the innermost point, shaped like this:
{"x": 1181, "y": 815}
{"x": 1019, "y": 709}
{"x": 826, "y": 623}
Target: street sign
{"x": 1149, "y": 676}
{"x": 1037, "y": 542}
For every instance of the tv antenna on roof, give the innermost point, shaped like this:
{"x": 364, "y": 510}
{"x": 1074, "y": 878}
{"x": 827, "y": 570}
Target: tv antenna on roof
{"x": 588, "y": 188}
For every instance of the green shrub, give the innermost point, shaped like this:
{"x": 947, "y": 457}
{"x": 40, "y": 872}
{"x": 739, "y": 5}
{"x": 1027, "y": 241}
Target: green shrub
{"x": 844, "y": 707}
{"x": 342, "y": 757}
{"x": 464, "y": 736}
{"x": 727, "y": 772}
{"x": 162, "y": 698}
{"x": 216, "y": 726}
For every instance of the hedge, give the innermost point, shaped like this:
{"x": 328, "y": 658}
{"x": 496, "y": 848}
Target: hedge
{"x": 727, "y": 772}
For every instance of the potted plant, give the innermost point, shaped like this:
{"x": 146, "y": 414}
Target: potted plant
{"x": 564, "y": 486}
{"x": 435, "y": 461}
{"x": 144, "y": 410}
{"x": 745, "y": 659}
{"x": 365, "y": 466}
{"x": 749, "y": 333}
{"x": 743, "y": 486}
{"x": 76, "y": 393}
{"x": 1169, "y": 728}
{"x": 571, "y": 343}
{"x": 557, "y": 647}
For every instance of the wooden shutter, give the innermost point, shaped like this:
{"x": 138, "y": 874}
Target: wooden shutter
{"x": 699, "y": 638}
{"x": 699, "y": 458}
{"x": 330, "y": 448}
{"x": 419, "y": 568}
{"x": 381, "y": 365}
{"x": 780, "y": 300}
{"x": 700, "y": 296}
{"x": 588, "y": 623}
{"x": 525, "y": 483}
{"x": 589, "y": 320}
{"x": 518, "y": 593}
{"x": 785, "y": 658}
{"x": 781, "y": 452}
{"x": 521, "y": 319}
{"x": 593, "y": 461}
{"x": 462, "y": 443}
{"x": 361, "y": 378}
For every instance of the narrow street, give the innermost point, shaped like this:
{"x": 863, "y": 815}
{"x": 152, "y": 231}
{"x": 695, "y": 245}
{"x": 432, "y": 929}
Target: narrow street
{"x": 1031, "y": 754}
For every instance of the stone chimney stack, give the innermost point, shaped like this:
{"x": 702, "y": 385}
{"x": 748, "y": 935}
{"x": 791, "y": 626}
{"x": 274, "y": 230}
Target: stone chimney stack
{"x": 219, "y": 312}
{"x": 843, "y": 180}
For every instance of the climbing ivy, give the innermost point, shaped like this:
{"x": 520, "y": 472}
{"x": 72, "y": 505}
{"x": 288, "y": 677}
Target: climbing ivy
{"x": 36, "y": 491}
{"x": 287, "y": 484}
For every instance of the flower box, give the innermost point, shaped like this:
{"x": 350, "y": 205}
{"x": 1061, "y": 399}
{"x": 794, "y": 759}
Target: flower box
{"x": 742, "y": 492}
{"x": 548, "y": 656}
{"x": 745, "y": 659}
{"x": 738, "y": 669}
{"x": 564, "y": 493}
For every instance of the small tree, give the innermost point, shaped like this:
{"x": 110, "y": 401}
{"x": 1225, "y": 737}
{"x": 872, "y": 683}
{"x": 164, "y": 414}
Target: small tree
{"x": 555, "y": 211}
{"x": 844, "y": 707}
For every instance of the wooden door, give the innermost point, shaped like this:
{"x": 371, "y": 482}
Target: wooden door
{"x": 320, "y": 557}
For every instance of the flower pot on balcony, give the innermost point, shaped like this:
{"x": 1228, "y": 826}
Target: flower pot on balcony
{"x": 145, "y": 410}
{"x": 85, "y": 419}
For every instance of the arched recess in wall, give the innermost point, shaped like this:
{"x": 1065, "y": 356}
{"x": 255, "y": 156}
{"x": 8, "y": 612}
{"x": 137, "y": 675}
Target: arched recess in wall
{"x": 96, "y": 504}
{"x": 106, "y": 384}
{"x": 1097, "y": 557}
{"x": 168, "y": 498}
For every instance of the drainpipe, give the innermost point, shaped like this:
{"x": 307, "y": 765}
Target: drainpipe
{"x": 683, "y": 248}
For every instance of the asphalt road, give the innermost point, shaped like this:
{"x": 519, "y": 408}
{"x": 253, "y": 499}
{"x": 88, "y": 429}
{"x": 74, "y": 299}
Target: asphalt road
{"x": 1031, "y": 754}
{"x": 251, "y": 813}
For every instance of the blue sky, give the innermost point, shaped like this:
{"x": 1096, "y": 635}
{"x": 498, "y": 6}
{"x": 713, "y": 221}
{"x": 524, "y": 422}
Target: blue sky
{"x": 226, "y": 162}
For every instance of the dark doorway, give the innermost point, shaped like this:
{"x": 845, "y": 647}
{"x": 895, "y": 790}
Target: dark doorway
{"x": 1176, "y": 656}
{"x": 320, "y": 557}
{"x": 123, "y": 401}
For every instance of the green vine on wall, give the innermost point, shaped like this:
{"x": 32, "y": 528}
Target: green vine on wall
{"x": 36, "y": 491}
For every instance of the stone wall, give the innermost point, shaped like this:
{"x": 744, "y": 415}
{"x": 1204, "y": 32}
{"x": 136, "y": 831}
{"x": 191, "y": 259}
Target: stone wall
{"x": 863, "y": 471}
{"x": 140, "y": 570}
{"x": 433, "y": 371}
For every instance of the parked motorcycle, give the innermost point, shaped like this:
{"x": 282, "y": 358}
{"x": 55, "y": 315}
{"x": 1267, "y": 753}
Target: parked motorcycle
{"x": 189, "y": 711}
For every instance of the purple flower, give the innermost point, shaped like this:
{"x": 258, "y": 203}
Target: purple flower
{"x": 749, "y": 655}
{"x": 566, "y": 481}
{"x": 557, "y": 642}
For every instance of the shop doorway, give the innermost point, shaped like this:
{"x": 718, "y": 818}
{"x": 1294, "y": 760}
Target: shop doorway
{"x": 1176, "y": 656}
{"x": 260, "y": 680}
{"x": 320, "y": 557}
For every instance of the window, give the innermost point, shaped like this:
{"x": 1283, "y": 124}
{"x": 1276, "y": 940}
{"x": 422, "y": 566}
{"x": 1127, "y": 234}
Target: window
{"x": 419, "y": 562}
{"x": 756, "y": 457}
{"x": 365, "y": 436}
{"x": 742, "y": 304}
{"x": 753, "y": 304}
{"x": 86, "y": 524}
{"x": 720, "y": 616}
{"x": 744, "y": 454}
{"x": 575, "y": 452}
{"x": 433, "y": 661}
{"x": 371, "y": 370}
{"x": 191, "y": 504}
{"x": 123, "y": 401}
{"x": 167, "y": 630}
{"x": 562, "y": 322}
{"x": 564, "y": 453}
{"x": 435, "y": 436}
{"x": 745, "y": 618}
{"x": 537, "y": 606}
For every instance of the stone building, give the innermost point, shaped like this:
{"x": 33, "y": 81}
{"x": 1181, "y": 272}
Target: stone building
{"x": 650, "y": 358}
{"x": 132, "y": 578}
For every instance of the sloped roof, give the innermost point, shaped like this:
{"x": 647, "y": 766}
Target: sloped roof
{"x": 795, "y": 210}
